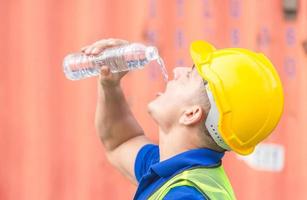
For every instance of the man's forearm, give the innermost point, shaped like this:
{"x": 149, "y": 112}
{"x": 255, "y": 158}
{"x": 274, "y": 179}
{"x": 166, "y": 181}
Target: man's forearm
{"x": 115, "y": 122}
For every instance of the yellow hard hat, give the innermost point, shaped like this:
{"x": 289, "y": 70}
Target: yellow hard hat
{"x": 245, "y": 94}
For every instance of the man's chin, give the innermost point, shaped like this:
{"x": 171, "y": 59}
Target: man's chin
{"x": 153, "y": 111}
{"x": 150, "y": 107}
{"x": 153, "y": 107}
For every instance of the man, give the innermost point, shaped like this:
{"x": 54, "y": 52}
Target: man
{"x": 231, "y": 99}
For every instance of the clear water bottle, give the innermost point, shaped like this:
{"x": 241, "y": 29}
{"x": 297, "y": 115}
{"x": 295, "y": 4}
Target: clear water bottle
{"x": 123, "y": 58}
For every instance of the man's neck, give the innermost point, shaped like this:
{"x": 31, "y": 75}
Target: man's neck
{"x": 176, "y": 141}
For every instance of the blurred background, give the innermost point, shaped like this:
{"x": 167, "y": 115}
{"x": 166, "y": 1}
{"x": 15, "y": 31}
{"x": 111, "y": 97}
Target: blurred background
{"x": 48, "y": 146}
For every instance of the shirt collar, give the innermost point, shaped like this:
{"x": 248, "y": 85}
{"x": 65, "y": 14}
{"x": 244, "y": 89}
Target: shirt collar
{"x": 195, "y": 157}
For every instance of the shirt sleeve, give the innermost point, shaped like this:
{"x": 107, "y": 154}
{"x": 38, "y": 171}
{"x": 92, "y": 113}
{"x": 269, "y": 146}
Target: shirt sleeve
{"x": 184, "y": 192}
{"x": 147, "y": 156}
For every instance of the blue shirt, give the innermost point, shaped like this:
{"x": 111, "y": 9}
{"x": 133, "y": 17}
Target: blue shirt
{"x": 151, "y": 173}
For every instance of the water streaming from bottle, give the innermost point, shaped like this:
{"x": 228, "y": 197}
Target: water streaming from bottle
{"x": 163, "y": 69}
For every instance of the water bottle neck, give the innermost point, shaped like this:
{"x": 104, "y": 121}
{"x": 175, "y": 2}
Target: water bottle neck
{"x": 151, "y": 53}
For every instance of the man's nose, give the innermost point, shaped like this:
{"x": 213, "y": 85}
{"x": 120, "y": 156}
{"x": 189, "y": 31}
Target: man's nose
{"x": 178, "y": 71}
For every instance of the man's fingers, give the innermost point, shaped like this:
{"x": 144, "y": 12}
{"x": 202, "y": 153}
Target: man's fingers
{"x": 98, "y": 49}
{"x": 89, "y": 50}
{"x": 84, "y": 48}
{"x": 101, "y": 45}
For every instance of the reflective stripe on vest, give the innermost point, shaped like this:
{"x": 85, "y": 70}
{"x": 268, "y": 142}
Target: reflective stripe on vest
{"x": 213, "y": 183}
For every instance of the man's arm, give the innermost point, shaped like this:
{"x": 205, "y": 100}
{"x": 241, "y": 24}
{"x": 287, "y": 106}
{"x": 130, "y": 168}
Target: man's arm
{"x": 119, "y": 131}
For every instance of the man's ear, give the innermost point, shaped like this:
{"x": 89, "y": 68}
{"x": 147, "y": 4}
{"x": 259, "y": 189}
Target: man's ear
{"x": 192, "y": 115}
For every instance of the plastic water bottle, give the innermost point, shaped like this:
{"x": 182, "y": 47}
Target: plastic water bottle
{"x": 123, "y": 58}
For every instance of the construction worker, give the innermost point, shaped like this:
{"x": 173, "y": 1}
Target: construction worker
{"x": 231, "y": 99}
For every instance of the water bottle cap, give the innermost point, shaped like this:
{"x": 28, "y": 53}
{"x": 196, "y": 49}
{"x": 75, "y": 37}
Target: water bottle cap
{"x": 151, "y": 53}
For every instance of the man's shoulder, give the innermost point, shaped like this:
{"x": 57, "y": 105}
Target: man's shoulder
{"x": 184, "y": 192}
{"x": 147, "y": 156}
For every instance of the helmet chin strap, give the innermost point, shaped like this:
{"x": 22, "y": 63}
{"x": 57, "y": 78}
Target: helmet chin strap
{"x": 212, "y": 122}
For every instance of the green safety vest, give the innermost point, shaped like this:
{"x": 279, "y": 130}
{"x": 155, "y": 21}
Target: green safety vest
{"x": 213, "y": 183}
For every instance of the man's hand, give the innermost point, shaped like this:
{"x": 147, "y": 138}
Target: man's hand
{"x": 106, "y": 78}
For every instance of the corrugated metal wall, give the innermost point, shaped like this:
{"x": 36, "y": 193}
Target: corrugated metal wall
{"x": 48, "y": 145}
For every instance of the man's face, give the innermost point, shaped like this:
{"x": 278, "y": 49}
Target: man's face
{"x": 181, "y": 93}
